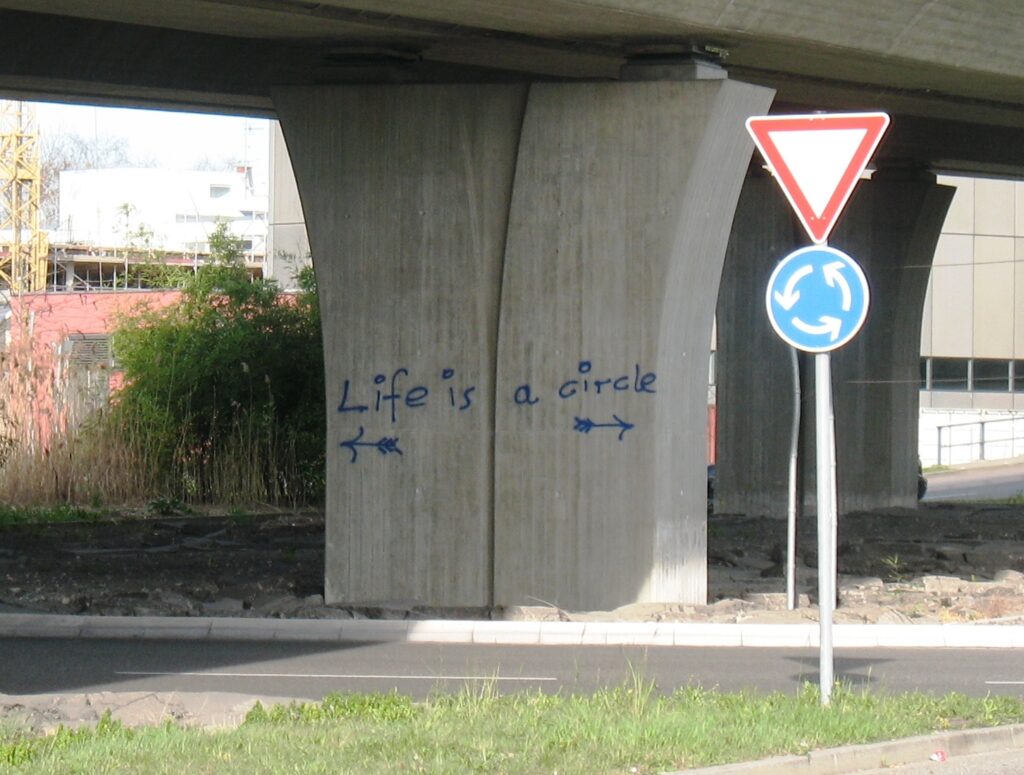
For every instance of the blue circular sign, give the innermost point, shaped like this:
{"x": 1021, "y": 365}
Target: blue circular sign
{"x": 817, "y": 299}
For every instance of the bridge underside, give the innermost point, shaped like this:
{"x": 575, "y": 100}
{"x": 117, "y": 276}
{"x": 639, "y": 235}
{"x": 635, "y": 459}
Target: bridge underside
{"x": 519, "y": 217}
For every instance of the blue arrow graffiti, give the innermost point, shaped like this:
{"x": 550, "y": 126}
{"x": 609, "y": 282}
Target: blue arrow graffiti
{"x": 385, "y": 445}
{"x": 586, "y": 425}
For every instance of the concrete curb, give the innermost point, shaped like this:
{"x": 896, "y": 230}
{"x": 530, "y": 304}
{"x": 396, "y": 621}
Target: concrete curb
{"x": 857, "y": 758}
{"x": 511, "y": 633}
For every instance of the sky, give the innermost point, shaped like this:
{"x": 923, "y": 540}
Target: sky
{"x": 170, "y": 140}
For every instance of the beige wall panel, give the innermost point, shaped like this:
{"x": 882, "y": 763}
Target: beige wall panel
{"x": 927, "y": 319}
{"x": 953, "y": 305}
{"x": 960, "y": 218}
{"x": 1018, "y": 207}
{"x": 993, "y": 207}
{"x": 993, "y": 310}
{"x": 954, "y": 250}
{"x": 942, "y": 399}
{"x": 994, "y": 250}
{"x": 997, "y": 401}
{"x": 1018, "y": 317}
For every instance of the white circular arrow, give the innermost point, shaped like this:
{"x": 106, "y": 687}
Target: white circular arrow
{"x": 790, "y": 295}
{"x": 829, "y": 325}
{"x": 834, "y": 274}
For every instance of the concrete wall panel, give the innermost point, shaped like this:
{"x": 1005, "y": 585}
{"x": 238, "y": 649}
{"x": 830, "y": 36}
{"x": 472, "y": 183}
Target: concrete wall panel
{"x": 960, "y": 218}
{"x": 755, "y": 372}
{"x": 623, "y": 200}
{"x": 406, "y": 192}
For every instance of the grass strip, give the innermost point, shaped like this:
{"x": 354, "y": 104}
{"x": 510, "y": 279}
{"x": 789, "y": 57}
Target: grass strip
{"x": 629, "y": 729}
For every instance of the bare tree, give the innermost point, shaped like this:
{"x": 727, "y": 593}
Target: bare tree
{"x": 64, "y": 150}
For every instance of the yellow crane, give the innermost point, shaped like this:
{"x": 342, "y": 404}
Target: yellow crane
{"x": 23, "y": 245}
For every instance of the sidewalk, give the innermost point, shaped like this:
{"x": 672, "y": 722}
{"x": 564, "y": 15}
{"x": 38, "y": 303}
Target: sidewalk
{"x": 512, "y": 632}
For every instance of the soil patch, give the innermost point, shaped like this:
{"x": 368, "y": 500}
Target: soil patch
{"x": 940, "y": 562}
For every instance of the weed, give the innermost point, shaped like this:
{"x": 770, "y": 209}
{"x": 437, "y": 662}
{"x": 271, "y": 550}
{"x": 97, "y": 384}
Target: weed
{"x": 167, "y": 506}
{"x": 896, "y": 569}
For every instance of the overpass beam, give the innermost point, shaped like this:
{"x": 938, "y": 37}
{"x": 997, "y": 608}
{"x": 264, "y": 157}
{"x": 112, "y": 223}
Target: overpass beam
{"x": 517, "y": 288}
{"x": 891, "y": 227}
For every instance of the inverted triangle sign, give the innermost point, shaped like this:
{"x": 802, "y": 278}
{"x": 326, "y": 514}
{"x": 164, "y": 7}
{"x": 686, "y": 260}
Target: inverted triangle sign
{"x": 818, "y": 159}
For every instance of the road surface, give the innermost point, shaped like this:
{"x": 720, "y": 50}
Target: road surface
{"x": 994, "y": 481}
{"x": 311, "y": 670}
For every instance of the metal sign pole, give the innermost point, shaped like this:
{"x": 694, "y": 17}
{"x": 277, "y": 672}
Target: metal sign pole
{"x": 794, "y": 496}
{"x": 825, "y": 443}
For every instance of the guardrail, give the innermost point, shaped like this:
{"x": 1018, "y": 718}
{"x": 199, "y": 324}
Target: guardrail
{"x": 982, "y": 439}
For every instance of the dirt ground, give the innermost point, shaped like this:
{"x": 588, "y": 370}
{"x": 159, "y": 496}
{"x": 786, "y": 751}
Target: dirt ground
{"x": 939, "y": 562}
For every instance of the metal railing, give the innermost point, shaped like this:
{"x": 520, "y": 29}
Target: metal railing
{"x": 982, "y": 440}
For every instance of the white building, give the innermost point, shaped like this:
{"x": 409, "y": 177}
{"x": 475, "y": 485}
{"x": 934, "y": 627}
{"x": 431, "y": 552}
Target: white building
{"x": 174, "y": 211}
{"x": 972, "y": 340}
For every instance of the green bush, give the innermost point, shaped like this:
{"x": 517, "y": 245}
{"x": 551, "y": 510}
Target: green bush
{"x": 224, "y": 391}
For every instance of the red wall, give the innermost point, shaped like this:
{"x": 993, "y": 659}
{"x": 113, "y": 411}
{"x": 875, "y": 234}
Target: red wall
{"x": 39, "y": 324}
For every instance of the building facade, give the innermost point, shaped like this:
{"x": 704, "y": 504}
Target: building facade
{"x": 972, "y": 341}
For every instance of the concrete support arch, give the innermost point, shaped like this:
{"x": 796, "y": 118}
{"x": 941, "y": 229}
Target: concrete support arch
{"x": 891, "y": 227}
{"x": 486, "y": 256}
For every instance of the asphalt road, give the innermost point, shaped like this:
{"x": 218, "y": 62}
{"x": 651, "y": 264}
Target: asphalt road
{"x": 311, "y": 670}
{"x": 989, "y": 482}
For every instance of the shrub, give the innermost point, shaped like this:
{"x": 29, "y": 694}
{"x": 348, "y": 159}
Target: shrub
{"x": 224, "y": 392}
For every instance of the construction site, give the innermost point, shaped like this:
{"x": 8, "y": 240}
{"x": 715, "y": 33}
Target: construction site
{"x": 62, "y": 288}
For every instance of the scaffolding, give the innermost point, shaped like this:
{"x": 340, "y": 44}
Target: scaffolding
{"x": 23, "y": 260}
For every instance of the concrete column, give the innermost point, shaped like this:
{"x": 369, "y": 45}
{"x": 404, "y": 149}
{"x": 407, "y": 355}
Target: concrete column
{"x": 891, "y": 227}
{"x": 517, "y": 287}
{"x": 623, "y": 200}
{"x": 406, "y": 192}
{"x": 754, "y": 366}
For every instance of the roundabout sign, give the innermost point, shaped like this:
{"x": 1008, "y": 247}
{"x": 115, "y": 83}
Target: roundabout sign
{"x": 817, "y": 299}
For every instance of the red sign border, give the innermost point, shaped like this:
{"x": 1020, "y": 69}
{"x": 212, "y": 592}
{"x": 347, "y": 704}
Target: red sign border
{"x": 760, "y": 129}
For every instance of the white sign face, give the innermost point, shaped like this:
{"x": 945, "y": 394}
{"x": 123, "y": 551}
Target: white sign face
{"x": 817, "y": 299}
{"x": 817, "y": 159}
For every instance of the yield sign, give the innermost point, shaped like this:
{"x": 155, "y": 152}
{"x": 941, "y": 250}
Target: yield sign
{"x": 818, "y": 159}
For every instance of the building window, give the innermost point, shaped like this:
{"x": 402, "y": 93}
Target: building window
{"x": 950, "y": 374}
{"x": 1018, "y": 376}
{"x": 89, "y": 349}
{"x": 991, "y": 376}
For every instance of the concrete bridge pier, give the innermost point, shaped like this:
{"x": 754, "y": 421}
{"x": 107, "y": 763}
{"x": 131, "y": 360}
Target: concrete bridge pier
{"x": 891, "y": 227}
{"x": 517, "y": 286}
